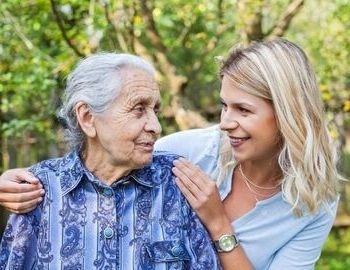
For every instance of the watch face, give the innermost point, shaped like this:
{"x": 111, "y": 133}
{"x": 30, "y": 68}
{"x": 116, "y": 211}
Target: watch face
{"x": 227, "y": 242}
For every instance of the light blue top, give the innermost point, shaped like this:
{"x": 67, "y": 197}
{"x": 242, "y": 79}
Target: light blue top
{"x": 271, "y": 236}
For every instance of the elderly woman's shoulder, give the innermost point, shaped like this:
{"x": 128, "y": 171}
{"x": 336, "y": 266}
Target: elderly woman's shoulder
{"x": 54, "y": 165}
{"x": 163, "y": 160}
{"x": 159, "y": 171}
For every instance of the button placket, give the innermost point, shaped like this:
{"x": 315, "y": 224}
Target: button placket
{"x": 108, "y": 233}
{"x": 108, "y": 192}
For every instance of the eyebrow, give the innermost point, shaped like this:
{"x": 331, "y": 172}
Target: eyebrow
{"x": 237, "y": 103}
{"x": 145, "y": 100}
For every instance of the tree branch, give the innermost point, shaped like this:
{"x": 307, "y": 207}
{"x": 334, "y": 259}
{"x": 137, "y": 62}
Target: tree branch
{"x": 175, "y": 81}
{"x": 112, "y": 20}
{"x": 220, "y": 12}
{"x": 285, "y": 19}
{"x": 249, "y": 20}
{"x": 152, "y": 31}
{"x": 18, "y": 30}
{"x": 211, "y": 44}
{"x": 184, "y": 118}
{"x": 63, "y": 31}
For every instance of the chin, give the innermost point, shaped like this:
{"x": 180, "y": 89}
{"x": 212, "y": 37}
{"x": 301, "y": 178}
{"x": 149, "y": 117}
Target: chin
{"x": 145, "y": 160}
{"x": 239, "y": 158}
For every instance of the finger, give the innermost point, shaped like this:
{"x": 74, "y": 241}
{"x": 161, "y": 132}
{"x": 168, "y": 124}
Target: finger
{"x": 188, "y": 169}
{"x": 188, "y": 195}
{"x": 13, "y": 187}
{"x": 24, "y": 211}
{"x": 193, "y": 172}
{"x": 24, "y": 175}
{"x": 21, "y": 208}
{"x": 187, "y": 182}
{"x": 19, "y": 175}
{"x": 21, "y": 197}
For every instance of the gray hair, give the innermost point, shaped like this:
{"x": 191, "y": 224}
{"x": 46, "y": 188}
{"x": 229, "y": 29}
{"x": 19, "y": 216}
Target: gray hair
{"x": 96, "y": 81}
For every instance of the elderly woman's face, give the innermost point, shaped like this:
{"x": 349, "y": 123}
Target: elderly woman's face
{"x": 127, "y": 131}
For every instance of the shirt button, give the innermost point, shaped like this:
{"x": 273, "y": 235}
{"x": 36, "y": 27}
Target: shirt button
{"x": 107, "y": 192}
{"x": 108, "y": 232}
{"x": 177, "y": 251}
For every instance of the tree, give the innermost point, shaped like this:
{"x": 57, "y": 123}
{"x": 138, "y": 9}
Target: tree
{"x": 42, "y": 40}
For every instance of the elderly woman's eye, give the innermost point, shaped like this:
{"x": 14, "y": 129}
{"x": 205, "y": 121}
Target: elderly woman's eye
{"x": 156, "y": 110}
{"x": 139, "y": 108}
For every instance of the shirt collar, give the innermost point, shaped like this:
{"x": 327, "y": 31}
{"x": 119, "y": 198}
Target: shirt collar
{"x": 156, "y": 172}
{"x": 72, "y": 171}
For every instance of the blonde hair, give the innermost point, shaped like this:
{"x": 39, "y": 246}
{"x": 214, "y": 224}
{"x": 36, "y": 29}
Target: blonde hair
{"x": 279, "y": 71}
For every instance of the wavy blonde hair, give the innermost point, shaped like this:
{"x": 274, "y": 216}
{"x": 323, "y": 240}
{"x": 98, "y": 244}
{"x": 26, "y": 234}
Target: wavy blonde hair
{"x": 279, "y": 71}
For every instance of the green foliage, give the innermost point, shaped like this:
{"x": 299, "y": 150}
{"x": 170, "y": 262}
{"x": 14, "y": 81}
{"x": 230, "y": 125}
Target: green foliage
{"x": 327, "y": 42}
{"x": 336, "y": 252}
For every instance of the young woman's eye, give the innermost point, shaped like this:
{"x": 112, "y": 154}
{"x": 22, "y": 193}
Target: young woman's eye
{"x": 243, "y": 110}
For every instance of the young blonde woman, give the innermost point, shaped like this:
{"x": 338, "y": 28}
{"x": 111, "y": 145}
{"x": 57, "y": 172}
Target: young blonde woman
{"x": 263, "y": 182}
{"x": 273, "y": 161}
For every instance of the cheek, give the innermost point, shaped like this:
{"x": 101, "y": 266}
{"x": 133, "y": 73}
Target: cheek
{"x": 271, "y": 132}
{"x": 133, "y": 130}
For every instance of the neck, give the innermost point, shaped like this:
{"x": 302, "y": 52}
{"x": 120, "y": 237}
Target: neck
{"x": 104, "y": 170}
{"x": 262, "y": 174}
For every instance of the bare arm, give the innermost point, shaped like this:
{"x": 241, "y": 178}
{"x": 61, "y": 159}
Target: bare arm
{"x": 203, "y": 196}
{"x": 20, "y": 191}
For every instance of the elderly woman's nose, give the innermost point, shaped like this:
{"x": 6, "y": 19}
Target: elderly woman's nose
{"x": 153, "y": 124}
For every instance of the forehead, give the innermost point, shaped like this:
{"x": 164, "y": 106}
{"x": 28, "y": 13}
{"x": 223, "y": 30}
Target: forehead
{"x": 138, "y": 84}
{"x": 230, "y": 90}
{"x": 231, "y": 93}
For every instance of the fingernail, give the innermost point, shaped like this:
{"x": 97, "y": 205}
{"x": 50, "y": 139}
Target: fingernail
{"x": 42, "y": 192}
{"x": 40, "y": 199}
{"x": 175, "y": 162}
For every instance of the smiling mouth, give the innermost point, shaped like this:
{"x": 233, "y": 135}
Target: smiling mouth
{"x": 237, "y": 141}
{"x": 146, "y": 145}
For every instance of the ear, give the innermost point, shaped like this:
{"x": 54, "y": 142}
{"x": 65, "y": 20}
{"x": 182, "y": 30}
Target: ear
{"x": 85, "y": 119}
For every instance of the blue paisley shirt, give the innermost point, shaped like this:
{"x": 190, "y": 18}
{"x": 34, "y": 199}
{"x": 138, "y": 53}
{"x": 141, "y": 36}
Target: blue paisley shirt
{"x": 141, "y": 221}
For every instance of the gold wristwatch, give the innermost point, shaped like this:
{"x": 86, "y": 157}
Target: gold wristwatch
{"x": 226, "y": 243}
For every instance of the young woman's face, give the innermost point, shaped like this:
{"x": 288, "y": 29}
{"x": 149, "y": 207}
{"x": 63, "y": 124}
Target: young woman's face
{"x": 250, "y": 124}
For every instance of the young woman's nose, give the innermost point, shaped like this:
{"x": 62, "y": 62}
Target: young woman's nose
{"x": 228, "y": 121}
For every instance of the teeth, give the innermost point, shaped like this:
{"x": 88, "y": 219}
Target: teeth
{"x": 238, "y": 139}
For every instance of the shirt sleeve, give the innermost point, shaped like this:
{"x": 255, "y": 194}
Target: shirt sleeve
{"x": 302, "y": 252}
{"x": 193, "y": 144}
{"x": 174, "y": 143}
{"x": 203, "y": 255}
{"x": 18, "y": 244}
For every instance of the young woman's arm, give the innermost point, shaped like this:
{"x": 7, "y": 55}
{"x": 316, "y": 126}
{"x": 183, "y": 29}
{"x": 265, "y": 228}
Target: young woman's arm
{"x": 203, "y": 196}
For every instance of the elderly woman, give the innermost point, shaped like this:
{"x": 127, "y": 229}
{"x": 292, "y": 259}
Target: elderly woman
{"x": 110, "y": 203}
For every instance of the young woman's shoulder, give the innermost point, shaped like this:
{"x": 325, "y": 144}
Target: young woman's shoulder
{"x": 193, "y": 142}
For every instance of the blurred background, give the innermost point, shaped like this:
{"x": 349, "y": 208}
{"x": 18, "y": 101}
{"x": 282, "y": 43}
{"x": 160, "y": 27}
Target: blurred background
{"x": 41, "y": 40}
